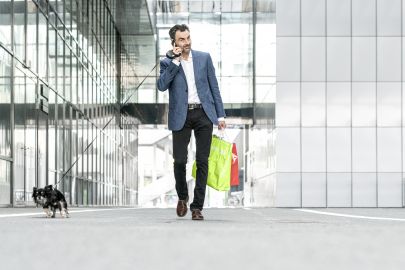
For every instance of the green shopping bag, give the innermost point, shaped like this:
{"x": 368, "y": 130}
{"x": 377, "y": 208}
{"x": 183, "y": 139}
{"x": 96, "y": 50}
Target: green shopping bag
{"x": 219, "y": 165}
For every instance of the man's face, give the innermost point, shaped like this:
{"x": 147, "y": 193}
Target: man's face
{"x": 183, "y": 40}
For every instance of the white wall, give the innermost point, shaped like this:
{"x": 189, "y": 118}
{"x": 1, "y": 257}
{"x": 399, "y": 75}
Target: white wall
{"x": 339, "y": 110}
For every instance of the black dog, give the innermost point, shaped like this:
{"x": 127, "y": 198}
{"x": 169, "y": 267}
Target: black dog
{"x": 50, "y": 199}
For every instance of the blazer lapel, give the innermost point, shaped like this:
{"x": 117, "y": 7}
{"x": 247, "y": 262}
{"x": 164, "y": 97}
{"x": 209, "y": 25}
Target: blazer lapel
{"x": 195, "y": 66}
{"x": 182, "y": 73}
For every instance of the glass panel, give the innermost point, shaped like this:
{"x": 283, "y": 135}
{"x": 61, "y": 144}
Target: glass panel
{"x": 59, "y": 135}
{"x": 30, "y": 138}
{"x": 60, "y": 63}
{"x": 313, "y": 59}
{"x": 67, "y": 74}
{"x": 240, "y": 45}
{"x": 339, "y": 59}
{"x": 5, "y": 178}
{"x": 364, "y": 104}
{"x": 288, "y": 192}
{"x": 266, "y": 50}
{"x": 74, "y": 80}
{"x": 146, "y": 92}
{"x": 52, "y": 57}
{"x": 389, "y": 149}
{"x": 364, "y": 58}
{"x": 338, "y": 104}
{"x": 51, "y": 135}
{"x": 339, "y": 189}
{"x": 288, "y": 151}
{"x": 19, "y": 135}
{"x": 364, "y": 17}
{"x": 5, "y": 103}
{"x": 32, "y": 47}
{"x": 389, "y": 190}
{"x": 339, "y": 150}
{"x": 313, "y": 17}
{"x": 389, "y": 18}
{"x": 5, "y": 23}
{"x": 19, "y": 29}
{"x": 313, "y": 149}
{"x": 389, "y": 58}
{"x": 288, "y": 59}
{"x": 338, "y": 17}
{"x": 288, "y": 104}
{"x": 364, "y": 190}
{"x": 265, "y": 89}
{"x": 236, "y": 89}
{"x": 389, "y": 104}
{"x": 42, "y": 148}
{"x": 42, "y": 54}
{"x": 364, "y": 149}
{"x": 314, "y": 190}
{"x": 288, "y": 18}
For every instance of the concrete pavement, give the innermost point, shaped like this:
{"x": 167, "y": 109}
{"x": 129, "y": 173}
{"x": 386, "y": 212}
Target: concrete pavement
{"x": 233, "y": 238}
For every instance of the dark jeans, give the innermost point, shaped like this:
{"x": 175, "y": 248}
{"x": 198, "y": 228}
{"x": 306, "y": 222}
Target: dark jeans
{"x": 198, "y": 121}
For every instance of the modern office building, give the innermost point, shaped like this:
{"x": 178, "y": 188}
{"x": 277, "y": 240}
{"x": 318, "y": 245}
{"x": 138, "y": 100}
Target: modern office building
{"x": 78, "y": 83}
{"x": 315, "y": 85}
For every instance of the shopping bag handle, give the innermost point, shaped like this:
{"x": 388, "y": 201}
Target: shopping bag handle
{"x": 222, "y": 134}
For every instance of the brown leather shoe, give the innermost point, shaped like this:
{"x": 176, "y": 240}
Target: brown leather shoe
{"x": 196, "y": 215}
{"x": 182, "y": 207}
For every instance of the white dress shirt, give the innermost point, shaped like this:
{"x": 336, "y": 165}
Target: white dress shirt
{"x": 192, "y": 88}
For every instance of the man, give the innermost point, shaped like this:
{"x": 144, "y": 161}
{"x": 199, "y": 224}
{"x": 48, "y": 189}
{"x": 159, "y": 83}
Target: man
{"x": 194, "y": 104}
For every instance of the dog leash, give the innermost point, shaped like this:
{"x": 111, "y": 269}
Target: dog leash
{"x": 95, "y": 138}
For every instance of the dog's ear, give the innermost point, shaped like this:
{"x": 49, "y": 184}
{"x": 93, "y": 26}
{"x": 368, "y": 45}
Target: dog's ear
{"x": 34, "y": 189}
{"x": 49, "y": 187}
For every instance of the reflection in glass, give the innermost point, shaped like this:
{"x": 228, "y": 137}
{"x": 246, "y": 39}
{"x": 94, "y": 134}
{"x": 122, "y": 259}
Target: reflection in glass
{"x": 5, "y": 103}
{"x": 19, "y": 30}
{"x": 32, "y": 47}
{"x": 5, "y": 177}
{"x": 42, "y": 54}
{"x": 5, "y": 23}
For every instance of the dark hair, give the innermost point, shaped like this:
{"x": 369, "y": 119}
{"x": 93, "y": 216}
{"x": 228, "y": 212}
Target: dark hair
{"x": 173, "y": 30}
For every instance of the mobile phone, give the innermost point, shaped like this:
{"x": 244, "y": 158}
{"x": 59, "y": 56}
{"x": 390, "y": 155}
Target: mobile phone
{"x": 170, "y": 54}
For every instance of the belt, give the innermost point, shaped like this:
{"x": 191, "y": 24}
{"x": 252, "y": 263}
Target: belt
{"x": 194, "y": 106}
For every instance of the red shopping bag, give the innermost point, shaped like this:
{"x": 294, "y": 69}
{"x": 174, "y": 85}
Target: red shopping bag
{"x": 234, "y": 167}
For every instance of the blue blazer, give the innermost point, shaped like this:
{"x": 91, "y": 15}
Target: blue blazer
{"x": 172, "y": 77}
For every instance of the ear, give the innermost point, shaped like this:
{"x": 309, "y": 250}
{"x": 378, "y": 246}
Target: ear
{"x": 34, "y": 189}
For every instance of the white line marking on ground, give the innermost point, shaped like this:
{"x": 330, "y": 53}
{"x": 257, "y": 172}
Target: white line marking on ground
{"x": 72, "y": 211}
{"x": 349, "y": 216}
{"x": 247, "y": 208}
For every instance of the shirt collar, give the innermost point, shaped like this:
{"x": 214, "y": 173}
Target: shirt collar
{"x": 190, "y": 58}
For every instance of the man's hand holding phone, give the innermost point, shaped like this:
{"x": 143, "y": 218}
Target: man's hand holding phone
{"x": 177, "y": 52}
{"x": 174, "y": 53}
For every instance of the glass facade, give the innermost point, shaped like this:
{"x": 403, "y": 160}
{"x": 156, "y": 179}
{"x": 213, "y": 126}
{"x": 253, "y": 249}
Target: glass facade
{"x": 339, "y": 112}
{"x": 241, "y": 39}
{"x": 61, "y": 70}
